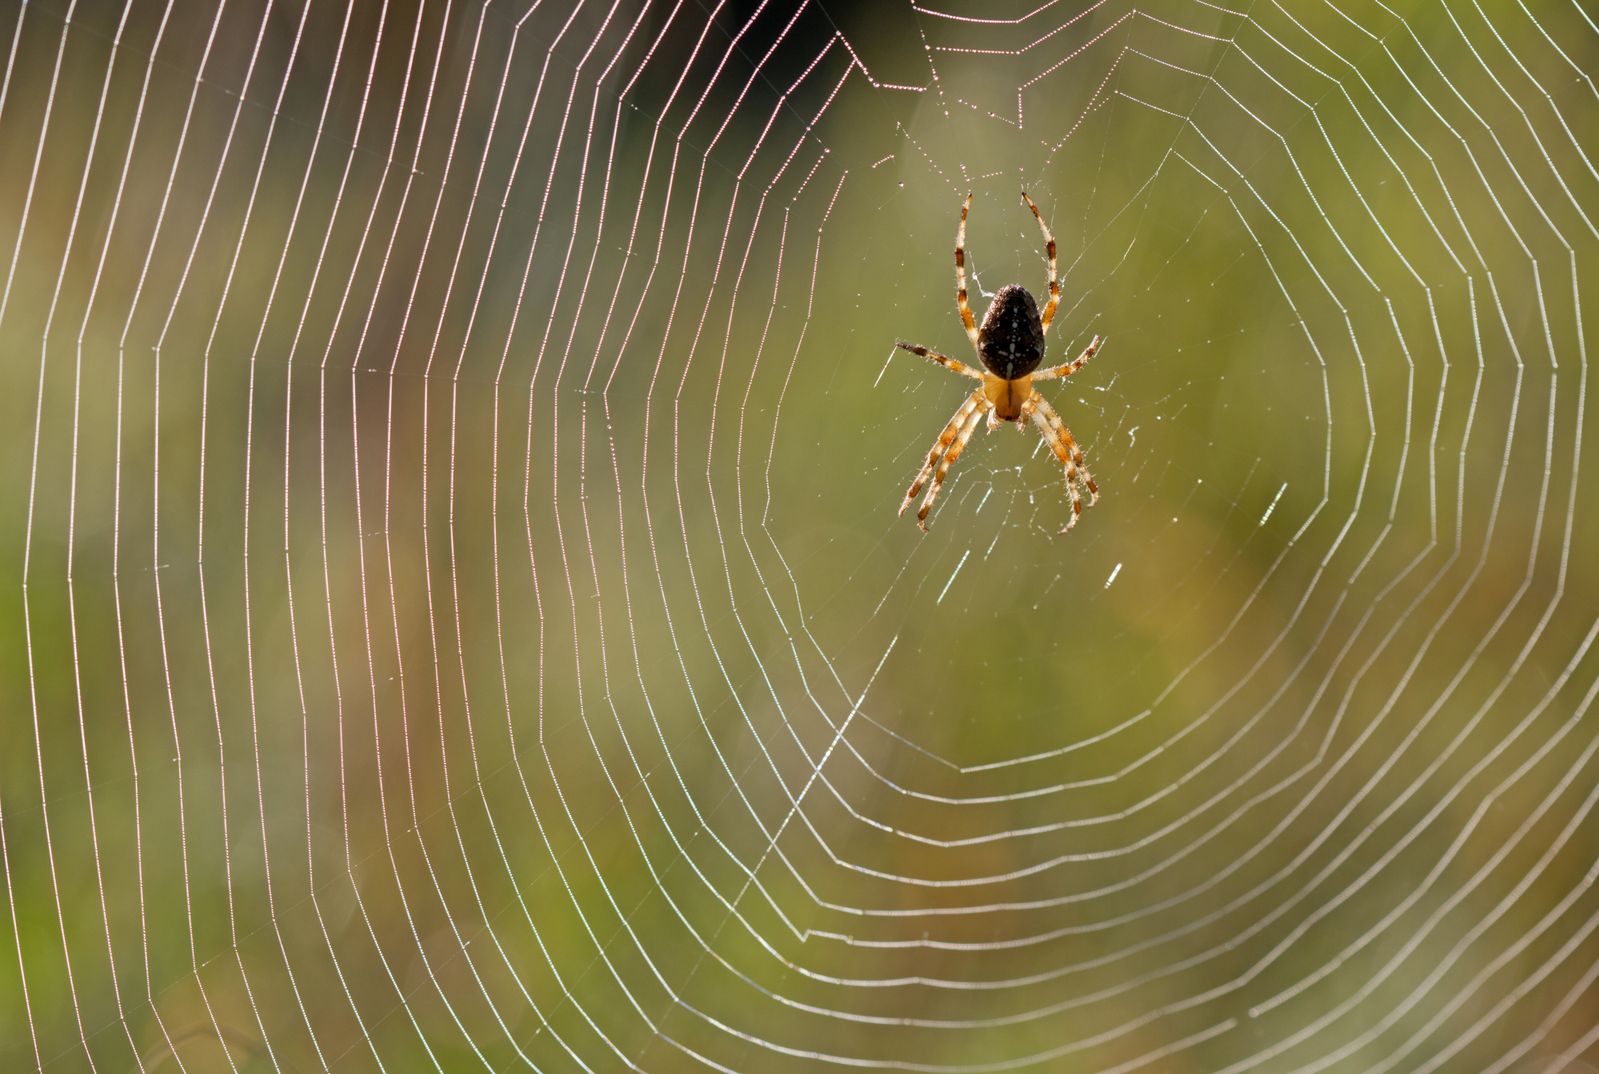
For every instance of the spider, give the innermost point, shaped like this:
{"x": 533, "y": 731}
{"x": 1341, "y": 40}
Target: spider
{"x": 1010, "y": 343}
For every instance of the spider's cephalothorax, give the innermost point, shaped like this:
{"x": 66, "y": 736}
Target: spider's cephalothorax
{"x": 1010, "y": 344}
{"x": 1010, "y": 340}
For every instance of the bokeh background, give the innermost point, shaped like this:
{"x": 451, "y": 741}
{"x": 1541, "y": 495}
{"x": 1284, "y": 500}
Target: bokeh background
{"x": 454, "y": 613}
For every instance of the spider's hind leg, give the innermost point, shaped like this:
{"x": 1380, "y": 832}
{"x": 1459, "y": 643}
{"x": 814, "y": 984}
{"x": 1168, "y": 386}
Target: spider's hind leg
{"x": 1067, "y": 452}
{"x": 943, "y": 467}
{"x": 944, "y": 452}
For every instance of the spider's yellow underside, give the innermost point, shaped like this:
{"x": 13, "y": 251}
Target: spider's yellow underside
{"x": 1007, "y": 396}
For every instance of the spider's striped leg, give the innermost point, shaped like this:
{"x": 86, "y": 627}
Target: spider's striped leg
{"x": 1060, "y": 441}
{"x": 960, "y": 274}
{"x": 972, "y": 405}
{"x": 1065, "y": 436}
{"x": 1061, "y": 372}
{"x": 950, "y": 456}
{"x": 1054, "y": 277}
{"x": 948, "y": 363}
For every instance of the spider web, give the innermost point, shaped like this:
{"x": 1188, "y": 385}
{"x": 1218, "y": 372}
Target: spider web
{"x": 457, "y": 618}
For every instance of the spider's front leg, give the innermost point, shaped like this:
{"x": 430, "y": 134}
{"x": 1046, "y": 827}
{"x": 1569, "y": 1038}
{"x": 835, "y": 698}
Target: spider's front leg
{"x": 944, "y": 453}
{"x": 1054, "y": 276}
{"x": 960, "y": 274}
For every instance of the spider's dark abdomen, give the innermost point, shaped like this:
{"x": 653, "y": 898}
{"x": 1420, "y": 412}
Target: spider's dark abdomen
{"x": 1011, "y": 338}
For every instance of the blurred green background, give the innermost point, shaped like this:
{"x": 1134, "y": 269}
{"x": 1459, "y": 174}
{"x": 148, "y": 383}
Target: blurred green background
{"x": 457, "y": 617}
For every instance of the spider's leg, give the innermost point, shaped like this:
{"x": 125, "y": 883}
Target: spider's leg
{"x": 972, "y": 405}
{"x": 1060, "y": 441}
{"x": 948, "y": 363}
{"x": 1065, "y": 435}
{"x": 1054, "y": 278}
{"x": 1061, "y": 372}
{"x": 1025, "y": 414}
{"x": 960, "y": 274}
{"x": 949, "y": 460}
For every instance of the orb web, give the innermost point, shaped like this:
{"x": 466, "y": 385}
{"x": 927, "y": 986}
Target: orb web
{"x": 459, "y": 618}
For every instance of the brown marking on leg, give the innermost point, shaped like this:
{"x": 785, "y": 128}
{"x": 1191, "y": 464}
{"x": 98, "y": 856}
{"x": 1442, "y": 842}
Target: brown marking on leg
{"x": 1087, "y": 479}
{"x": 1060, "y": 372}
{"x": 1054, "y": 277}
{"x": 960, "y": 274}
{"x": 950, "y": 456}
{"x": 1077, "y": 507}
{"x": 1070, "y": 456}
{"x": 945, "y": 438}
{"x": 933, "y": 356}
